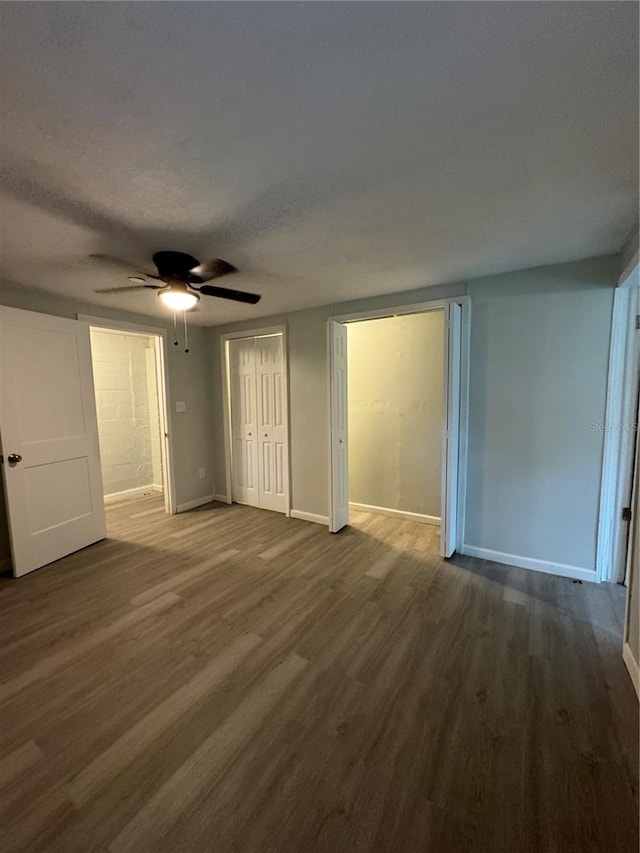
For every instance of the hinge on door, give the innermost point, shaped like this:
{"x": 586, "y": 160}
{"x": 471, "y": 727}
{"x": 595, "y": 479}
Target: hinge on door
{"x": 637, "y": 321}
{"x": 626, "y": 513}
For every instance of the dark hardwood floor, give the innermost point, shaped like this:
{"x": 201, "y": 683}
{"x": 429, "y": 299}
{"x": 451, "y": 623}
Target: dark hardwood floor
{"x": 233, "y": 680}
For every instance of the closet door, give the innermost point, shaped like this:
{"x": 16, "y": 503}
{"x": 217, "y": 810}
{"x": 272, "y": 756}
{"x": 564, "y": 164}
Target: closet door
{"x": 242, "y": 377}
{"x": 271, "y": 417}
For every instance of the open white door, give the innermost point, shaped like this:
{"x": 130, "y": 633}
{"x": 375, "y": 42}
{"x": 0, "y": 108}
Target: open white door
{"x": 52, "y": 476}
{"x": 338, "y": 404}
{"x": 451, "y": 429}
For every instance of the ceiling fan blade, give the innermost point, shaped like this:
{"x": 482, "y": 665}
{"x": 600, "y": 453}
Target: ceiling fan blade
{"x": 129, "y": 288}
{"x": 124, "y": 265}
{"x": 225, "y": 293}
{"x": 212, "y": 269}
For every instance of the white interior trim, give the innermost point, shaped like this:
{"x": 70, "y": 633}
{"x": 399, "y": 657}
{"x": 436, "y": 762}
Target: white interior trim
{"x": 220, "y": 498}
{"x": 194, "y": 503}
{"x": 114, "y": 497}
{"x": 164, "y": 396}
{"x": 280, "y": 329}
{"x": 632, "y": 665}
{"x": 619, "y": 444}
{"x": 463, "y": 433}
{"x": 310, "y": 516}
{"x": 561, "y": 569}
{"x": 396, "y": 513}
{"x": 398, "y": 310}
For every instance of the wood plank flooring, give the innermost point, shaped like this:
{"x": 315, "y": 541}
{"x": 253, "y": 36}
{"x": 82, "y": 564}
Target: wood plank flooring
{"x": 232, "y": 681}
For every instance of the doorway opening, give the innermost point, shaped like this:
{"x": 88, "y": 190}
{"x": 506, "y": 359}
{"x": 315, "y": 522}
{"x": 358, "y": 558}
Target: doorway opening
{"x": 397, "y": 412}
{"x": 131, "y": 410}
{"x": 256, "y": 419}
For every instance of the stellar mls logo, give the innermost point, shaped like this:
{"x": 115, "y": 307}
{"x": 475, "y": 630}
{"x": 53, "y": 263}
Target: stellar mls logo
{"x": 614, "y": 427}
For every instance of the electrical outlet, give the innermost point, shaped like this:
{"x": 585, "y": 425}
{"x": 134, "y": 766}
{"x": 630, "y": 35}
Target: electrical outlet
{"x": 181, "y": 407}
{"x": 201, "y": 473}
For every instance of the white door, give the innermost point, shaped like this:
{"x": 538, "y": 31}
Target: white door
{"x": 259, "y": 422}
{"x": 338, "y": 408}
{"x": 242, "y": 378}
{"x": 451, "y": 429}
{"x": 51, "y": 469}
{"x": 271, "y": 418}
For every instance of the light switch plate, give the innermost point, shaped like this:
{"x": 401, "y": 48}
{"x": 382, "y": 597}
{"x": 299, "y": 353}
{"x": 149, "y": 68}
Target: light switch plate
{"x": 181, "y": 406}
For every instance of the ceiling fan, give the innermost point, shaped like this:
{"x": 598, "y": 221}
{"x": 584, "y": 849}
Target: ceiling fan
{"x": 184, "y": 280}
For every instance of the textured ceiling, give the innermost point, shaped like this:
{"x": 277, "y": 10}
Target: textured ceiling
{"x": 329, "y": 150}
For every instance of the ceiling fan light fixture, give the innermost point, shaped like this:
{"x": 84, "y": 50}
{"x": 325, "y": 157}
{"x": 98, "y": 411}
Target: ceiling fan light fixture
{"x": 178, "y": 298}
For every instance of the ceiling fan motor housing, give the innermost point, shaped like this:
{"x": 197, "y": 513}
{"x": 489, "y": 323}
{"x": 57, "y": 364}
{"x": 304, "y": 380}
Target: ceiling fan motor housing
{"x": 174, "y": 266}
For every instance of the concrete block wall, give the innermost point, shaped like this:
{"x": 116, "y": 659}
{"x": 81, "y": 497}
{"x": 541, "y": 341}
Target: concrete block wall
{"x": 126, "y": 425}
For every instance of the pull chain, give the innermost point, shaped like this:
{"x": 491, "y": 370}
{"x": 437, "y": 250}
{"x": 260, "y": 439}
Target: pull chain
{"x": 175, "y": 333}
{"x": 186, "y": 334}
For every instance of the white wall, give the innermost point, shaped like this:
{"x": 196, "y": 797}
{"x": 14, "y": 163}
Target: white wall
{"x": 539, "y": 359}
{"x": 539, "y": 355}
{"x": 123, "y": 409}
{"x": 188, "y": 379}
{"x": 395, "y": 372}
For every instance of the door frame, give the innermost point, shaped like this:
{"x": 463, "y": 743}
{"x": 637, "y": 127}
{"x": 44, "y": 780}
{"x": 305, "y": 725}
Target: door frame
{"x": 465, "y": 344}
{"x": 619, "y": 440}
{"x": 266, "y": 331}
{"x": 161, "y": 351}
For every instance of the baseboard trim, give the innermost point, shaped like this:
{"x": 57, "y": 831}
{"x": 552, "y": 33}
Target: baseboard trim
{"x": 561, "y": 569}
{"x": 396, "y": 513}
{"x": 221, "y": 499}
{"x": 194, "y": 503}
{"x": 632, "y": 666}
{"x": 131, "y": 493}
{"x": 310, "y": 516}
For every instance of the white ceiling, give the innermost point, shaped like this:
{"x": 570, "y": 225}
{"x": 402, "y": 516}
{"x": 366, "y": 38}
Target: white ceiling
{"x": 329, "y": 150}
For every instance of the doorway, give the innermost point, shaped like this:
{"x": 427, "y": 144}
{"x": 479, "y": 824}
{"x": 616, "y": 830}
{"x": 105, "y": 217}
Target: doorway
{"x": 256, "y": 420}
{"x": 398, "y": 418}
{"x": 395, "y": 412}
{"x": 131, "y": 410}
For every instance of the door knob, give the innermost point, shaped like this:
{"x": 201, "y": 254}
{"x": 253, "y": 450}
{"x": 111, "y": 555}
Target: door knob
{"x": 14, "y": 458}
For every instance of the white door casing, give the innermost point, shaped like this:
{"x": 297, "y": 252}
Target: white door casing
{"x": 338, "y": 413}
{"x": 451, "y": 429}
{"x": 258, "y": 413}
{"x": 48, "y": 418}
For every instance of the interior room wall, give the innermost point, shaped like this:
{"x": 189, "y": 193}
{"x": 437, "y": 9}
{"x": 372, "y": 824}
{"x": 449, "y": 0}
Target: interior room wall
{"x": 126, "y": 421}
{"x": 395, "y": 384}
{"x": 537, "y": 393}
{"x": 188, "y": 380}
{"x": 539, "y": 356}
